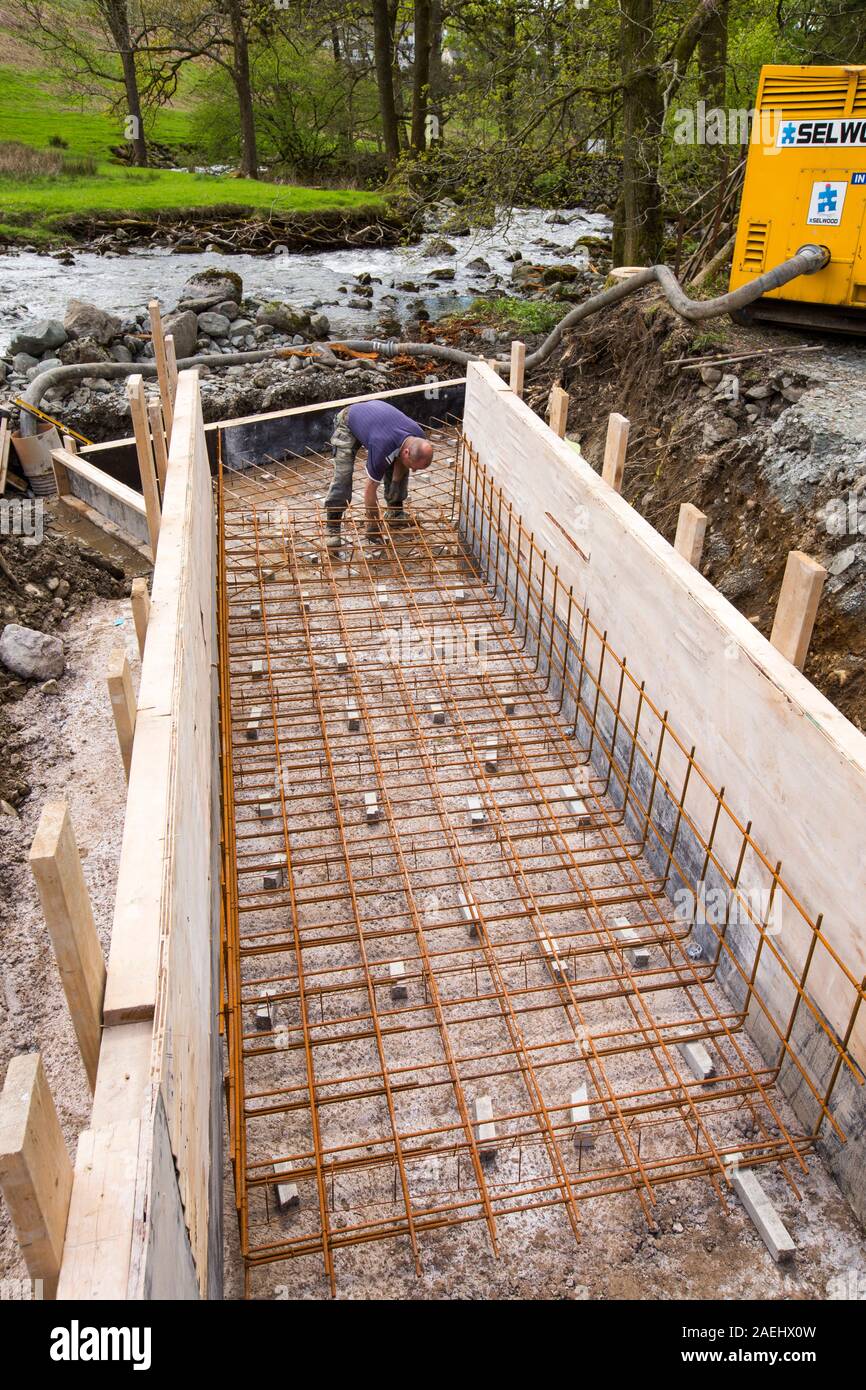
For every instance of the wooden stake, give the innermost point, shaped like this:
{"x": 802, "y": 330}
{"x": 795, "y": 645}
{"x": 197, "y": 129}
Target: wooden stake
{"x": 70, "y": 444}
{"x": 35, "y": 1169}
{"x": 159, "y": 355}
{"x": 122, "y": 704}
{"x": 144, "y": 449}
{"x": 614, "y": 451}
{"x": 160, "y": 449}
{"x": 140, "y": 611}
{"x": 171, "y": 366}
{"x": 557, "y": 411}
{"x": 797, "y": 606}
{"x": 691, "y": 529}
{"x": 518, "y": 366}
{"x": 5, "y": 442}
{"x": 56, "y": 867}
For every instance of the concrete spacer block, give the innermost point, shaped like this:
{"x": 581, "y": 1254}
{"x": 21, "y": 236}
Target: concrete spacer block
{"x": 768, "y": 1222}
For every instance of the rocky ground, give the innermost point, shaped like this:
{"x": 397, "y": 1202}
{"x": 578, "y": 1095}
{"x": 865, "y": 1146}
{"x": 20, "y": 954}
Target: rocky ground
{"x": 770, "y": 445}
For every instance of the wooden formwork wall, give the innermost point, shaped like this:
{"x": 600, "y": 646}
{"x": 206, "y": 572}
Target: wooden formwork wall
{"x": 790, "y": 762}
{"x": 145, "y": 1214}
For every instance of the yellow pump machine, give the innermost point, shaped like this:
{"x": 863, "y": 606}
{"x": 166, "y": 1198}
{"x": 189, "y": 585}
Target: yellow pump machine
{"x": 805, "y": 182}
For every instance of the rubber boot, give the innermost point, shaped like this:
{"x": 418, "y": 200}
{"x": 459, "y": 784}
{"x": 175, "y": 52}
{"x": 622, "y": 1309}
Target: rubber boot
{"x": 333, "y": 536}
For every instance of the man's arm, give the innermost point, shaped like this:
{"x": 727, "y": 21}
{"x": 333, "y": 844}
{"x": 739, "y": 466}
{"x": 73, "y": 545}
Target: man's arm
{"x": 371, "y": 498}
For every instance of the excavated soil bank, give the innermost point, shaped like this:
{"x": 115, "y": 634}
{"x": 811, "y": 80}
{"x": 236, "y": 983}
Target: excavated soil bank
{"x": 765, "y": 477}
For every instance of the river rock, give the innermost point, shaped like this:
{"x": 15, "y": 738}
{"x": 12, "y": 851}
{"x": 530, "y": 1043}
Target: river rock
{"x": 320, "y": 326}
{"x": 214, "y": 325}
{"x": 228, "y": 309}
{"x": 183, "y": 326}
{"x": 83, "y": 350}
{"x": 31, "y": 654}
{"x": 208, "y": 288}
{"x": 23, "y": 361}
{"x": 440, "y": 247}
{"x": 38, "y": 337}
{"x": 444, "y": 273}
{"x": 283, "y": 318}
{"x": 87, "y": 321}
{"x": 241, "y": 327}
{"x": 120, "y": 352}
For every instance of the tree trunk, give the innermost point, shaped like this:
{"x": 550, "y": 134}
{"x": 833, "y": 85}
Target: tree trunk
{"x": 421, "y": 74}
{"x": 384, "y": 57}
{"x": 117, "y": 19}
{"x": 638, "y": 226}
{"x": 436, "y": 76}
{"x": 713, "y": 56}
{"x": 243, "y": 86}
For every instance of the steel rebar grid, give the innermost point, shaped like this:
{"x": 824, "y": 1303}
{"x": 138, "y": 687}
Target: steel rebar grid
{"x": 362, "y": 1100}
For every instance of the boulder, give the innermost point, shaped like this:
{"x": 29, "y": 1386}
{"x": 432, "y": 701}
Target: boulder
{"x": 214, "y": 325}
{"x": 479, "y": 264}
{"x": 320, "y": 326}
{"x": 38, "y": 337}
{"x": 208, "y": 288}
{"x": 183, "y": 326}
{"x": 241, "y": 327}
{"x": 83, "y": 350}
{"x": 228, "y": 309}
{"x": 446, "y": 272}
{"x": 22, "y": 362}
{"x": 283, "y": 318}
{"x": 86, "y": 321}
{"x": 440, "y": 247}
{"x": 120, "y": 352}
{"x": 31, "y": 654}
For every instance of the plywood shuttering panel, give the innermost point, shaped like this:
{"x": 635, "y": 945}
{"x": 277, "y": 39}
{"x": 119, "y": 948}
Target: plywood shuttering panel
{"x": 155, "y": 1065}
{"x": 788, "y": 759}
{"x": 185, "y": 1010}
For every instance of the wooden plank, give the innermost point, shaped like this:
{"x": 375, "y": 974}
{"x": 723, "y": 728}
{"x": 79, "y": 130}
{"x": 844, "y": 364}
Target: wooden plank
{"x": 123, "y": 707}
{"x": 99, "y": 1229}
{"x": 614, "y": 451}
{"x": 144, "y": 449}
{"x": 73, "y": 464}
{"x": 518, "y": 367}
{"x": 5, "y": 443}
{"x": 35, "y": 1169}
{"x": 557, "y": 411}
{"x": 159, "y": 355}
{"x": 56, "y": 867}
{"x": 797, "y": 607}
{"x": 140, "y": 611}
{"x": 157, "y": 434}
{"x": 171, "y": 368}
{"x": 691, "y": 529}
{"x": 70, "y": 444}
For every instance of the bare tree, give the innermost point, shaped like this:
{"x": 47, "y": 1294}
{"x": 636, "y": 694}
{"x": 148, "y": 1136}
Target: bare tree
{"x": 97, "y": 48}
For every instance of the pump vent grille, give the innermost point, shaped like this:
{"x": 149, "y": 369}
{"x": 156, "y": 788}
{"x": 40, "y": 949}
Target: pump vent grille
{"x": 805, "y": 97}
{"x": 756, "y": 247}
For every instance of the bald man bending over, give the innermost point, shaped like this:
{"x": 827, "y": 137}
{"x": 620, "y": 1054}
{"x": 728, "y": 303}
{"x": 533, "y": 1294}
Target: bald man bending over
{"x": 395, "y": 446}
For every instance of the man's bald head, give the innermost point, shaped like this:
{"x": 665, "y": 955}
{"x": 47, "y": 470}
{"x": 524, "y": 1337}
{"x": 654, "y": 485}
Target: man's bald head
{"x": 416, "y": 453}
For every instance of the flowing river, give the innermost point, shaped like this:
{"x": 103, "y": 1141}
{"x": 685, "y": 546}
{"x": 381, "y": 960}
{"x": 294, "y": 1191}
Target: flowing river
{"x": 35, "y": 286}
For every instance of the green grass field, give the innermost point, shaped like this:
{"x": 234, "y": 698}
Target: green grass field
{"x": 131, "y": 192}
{"x": 33, "y": 111}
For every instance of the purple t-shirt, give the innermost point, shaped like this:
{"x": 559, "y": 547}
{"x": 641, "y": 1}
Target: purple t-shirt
{"x": 381, "y": 428}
